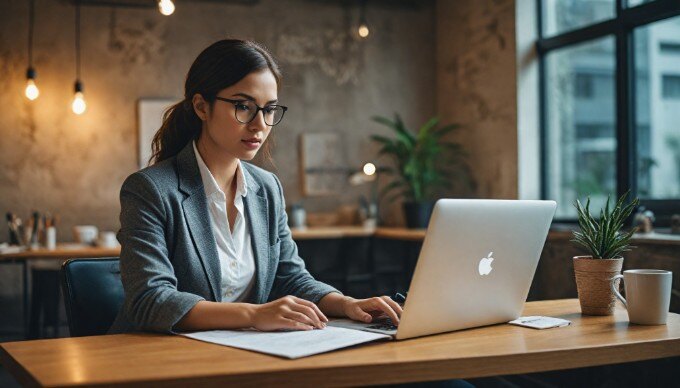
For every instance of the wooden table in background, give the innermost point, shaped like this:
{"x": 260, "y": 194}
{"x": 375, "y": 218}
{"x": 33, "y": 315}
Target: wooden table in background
{"x": 59, "y": 255}
{"x": 143, "y": 359}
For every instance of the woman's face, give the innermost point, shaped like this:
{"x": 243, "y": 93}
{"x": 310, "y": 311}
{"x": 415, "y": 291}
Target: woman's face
{"x": 222, "y": 132}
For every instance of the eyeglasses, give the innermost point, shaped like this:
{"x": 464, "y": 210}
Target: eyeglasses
{"x": 246, "y": 110}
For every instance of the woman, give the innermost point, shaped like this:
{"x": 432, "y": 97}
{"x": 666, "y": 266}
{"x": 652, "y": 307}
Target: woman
{"x": 204, "y": 235}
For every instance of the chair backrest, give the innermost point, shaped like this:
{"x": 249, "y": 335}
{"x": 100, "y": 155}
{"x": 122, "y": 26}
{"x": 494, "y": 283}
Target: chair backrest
{"x": 93, "y": 294}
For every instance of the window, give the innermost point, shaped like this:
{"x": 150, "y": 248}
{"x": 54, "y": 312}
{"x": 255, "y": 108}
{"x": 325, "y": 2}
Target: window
{"x": 610, "y": 100}
{"x": 657, "y": 102}
{"x": 669, "y": 48}
{"x": 564, "y": 15}
{"x": 670, "y": 86}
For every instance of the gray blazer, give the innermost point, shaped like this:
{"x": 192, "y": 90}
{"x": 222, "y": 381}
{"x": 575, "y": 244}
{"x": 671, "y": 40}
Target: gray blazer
{"x": 169, "y": 260}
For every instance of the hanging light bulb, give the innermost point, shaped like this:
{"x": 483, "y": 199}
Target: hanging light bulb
{"x": 78, "y": 105}
{"x": 32, "y": 91}
{"x": 166, "y": 7}
{"x": 369, "y": 169}
{"x": 363, "y": 30}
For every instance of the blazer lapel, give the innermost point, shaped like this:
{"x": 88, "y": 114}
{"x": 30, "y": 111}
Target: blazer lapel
{"x": 195, "y": 207}
{"x": 257, "y": 217}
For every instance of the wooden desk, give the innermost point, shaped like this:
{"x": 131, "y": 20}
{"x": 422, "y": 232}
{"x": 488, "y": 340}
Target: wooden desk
{"x": 137, "y": 359}
{"x": 62, "y": 253}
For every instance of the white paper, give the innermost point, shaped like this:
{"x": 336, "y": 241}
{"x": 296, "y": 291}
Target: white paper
{"x": 289, "y": 344}
{"x": 539, "y": 322}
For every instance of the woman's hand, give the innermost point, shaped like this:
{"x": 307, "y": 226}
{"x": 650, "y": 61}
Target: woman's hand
{"x": 365, "y": 310}
{"x": 288, "y": 313}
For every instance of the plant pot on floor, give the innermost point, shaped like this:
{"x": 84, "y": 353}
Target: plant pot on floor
{"x": 418, "y": 214}
{"x": 593, "y": 284}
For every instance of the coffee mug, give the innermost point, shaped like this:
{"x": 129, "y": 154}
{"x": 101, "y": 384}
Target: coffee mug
{"x": 648, "y": 293}
{"x": 107, "y": 240}
{"x": 85, "y": 234}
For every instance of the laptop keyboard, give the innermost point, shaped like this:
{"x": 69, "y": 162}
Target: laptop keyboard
{"x": 383, "y": 324}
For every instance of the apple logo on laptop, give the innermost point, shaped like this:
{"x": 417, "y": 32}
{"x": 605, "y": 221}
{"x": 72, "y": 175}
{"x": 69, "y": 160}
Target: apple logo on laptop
{"x": 485, "y": 264}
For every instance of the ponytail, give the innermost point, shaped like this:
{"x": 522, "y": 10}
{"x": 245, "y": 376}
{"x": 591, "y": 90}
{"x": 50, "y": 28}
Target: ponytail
{"x": 180, "y": 125}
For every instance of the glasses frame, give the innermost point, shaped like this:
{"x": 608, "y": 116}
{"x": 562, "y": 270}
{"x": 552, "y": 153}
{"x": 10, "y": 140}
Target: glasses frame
{"x": 257, "y": 110}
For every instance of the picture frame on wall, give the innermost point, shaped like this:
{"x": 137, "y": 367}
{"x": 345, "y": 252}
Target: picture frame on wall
{"x": 323, "y": 164}
{"x": 149, "y": 119}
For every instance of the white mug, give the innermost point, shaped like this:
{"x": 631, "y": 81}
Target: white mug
{"x": 648, "y": 293}
{"x": 85, "y": 234}
{"x": 107, "y": 240}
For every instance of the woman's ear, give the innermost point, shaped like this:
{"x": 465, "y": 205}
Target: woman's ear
{"x": 201, "y": 107}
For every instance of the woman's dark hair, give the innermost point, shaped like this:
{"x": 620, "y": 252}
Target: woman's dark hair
{"x": 219, "y": 66}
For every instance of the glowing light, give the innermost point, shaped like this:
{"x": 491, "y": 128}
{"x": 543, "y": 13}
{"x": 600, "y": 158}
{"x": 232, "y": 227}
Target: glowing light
{"x": 166, "y": 7}
{"x": 79, "y": 106}
{"x": 363, "y": 30}
{"x": 32, "y": 91}
{"x": 369, "y": 169}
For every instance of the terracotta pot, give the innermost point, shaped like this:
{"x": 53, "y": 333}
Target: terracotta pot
{"x": 593, "y": 285}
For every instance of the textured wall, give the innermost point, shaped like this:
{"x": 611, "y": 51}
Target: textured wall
{"x": 51, "y": 159}
{"x": 476, "y": 87}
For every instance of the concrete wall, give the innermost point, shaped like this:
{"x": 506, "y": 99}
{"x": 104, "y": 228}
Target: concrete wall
{"x": 53, "y": 160}
{"x": 476, "y": 87}
{"x": 454, "y": 58}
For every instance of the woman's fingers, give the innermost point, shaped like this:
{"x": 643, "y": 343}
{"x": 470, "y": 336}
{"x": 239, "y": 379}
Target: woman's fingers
{"x": 358, "y": 313}
{"x": 309, "y": 312}
{"x": 300, "y": 317}
{"x": 295, "y": 325}
{"x": 312, "y": 306}
{"x": 380, "y": 304}
{"x": 395, "y": 306}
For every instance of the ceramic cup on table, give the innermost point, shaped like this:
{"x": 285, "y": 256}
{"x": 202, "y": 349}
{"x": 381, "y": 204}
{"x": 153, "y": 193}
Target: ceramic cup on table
{"x": 85, "y": 234}
{"x": 107, "y": 240}
{"x": 648, "y": 295}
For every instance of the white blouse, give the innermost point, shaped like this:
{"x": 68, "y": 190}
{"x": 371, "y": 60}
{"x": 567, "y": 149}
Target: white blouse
{"x": 234, "y": 248}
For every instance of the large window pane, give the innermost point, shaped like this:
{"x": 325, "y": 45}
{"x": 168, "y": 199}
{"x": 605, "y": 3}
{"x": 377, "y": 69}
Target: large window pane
{"x": 657, "y": 83}
{"x": 564, "y": 15}
{"x": 634, "y": 3}
{"x": 580, "y": 124}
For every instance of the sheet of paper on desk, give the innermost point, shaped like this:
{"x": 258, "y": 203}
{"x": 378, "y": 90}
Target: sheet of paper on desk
{"x": 288, "y": 344}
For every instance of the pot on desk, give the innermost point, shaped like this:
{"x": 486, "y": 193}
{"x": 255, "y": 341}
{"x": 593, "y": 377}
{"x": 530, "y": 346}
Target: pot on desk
{"x": 593, "y": 279}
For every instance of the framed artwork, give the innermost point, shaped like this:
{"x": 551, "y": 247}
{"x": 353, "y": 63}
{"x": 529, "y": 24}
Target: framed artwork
{"x": 323, "y": 166}
{"x": 149, "y": 119}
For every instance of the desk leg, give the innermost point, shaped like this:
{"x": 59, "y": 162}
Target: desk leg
{"x": 24, "y": 270}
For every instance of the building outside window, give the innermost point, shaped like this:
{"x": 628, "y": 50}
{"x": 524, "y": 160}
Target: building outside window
{"x": 610, "y": 105}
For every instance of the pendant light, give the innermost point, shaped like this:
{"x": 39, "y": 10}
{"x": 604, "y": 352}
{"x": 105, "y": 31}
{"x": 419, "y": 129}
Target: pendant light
{"x": 31, "y": 91}
{"x": 79, "y": 106}
{"x": 166, "y": 7}
{"x": 363, "y": 24}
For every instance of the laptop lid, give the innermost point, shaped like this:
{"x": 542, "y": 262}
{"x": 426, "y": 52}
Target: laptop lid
{"x": 476, "y": 264}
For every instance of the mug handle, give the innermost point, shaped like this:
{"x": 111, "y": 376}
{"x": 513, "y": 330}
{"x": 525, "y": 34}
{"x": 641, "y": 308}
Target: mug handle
{"x": 615, "y": 291}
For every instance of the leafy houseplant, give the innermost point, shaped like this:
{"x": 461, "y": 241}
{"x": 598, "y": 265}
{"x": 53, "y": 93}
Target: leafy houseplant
{"x": 606, "y": 243}
{"x": 425, "y": 163}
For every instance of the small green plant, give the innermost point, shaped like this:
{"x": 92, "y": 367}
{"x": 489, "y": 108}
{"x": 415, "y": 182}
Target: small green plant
{"x": 424, "y": 161}
{"x": 604, "y": 238}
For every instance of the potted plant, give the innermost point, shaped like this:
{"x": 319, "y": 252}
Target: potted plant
{"x": 425, "y": 163}
{"x": 606, "y": 243}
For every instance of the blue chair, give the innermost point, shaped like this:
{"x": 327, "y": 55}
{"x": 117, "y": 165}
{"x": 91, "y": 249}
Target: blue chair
{"x": 93, "y": 294}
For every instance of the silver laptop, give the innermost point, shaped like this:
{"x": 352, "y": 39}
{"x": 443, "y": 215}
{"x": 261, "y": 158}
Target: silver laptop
{"x": 475, "y": 267}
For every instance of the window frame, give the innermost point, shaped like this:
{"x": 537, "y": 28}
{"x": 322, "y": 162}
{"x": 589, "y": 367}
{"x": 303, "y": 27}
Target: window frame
{"x": 621, "y": 27}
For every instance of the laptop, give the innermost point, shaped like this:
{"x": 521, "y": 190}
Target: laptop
{"x": 475, "y": 267}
